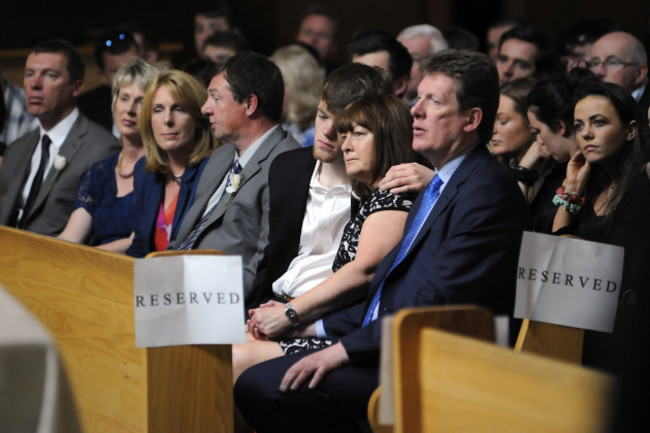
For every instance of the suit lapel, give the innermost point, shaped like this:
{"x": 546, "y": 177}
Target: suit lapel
{"x": 299, "y": 180}
{"x": 67, "y": 150}
{"x": 252, "y": 168}
{"x": 450, "y": 191}
{"x": 215, "y": 170}
{"x": 20, "y": 170}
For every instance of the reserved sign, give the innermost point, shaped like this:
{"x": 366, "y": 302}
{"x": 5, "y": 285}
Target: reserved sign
{"x": 570, "y": 282}
{"x": 191, "y": 299}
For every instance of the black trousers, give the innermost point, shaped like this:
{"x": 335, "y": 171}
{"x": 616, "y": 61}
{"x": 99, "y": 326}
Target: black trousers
{"x": 338, "y": 404}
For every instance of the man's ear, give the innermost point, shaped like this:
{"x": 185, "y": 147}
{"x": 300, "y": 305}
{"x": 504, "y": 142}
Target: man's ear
{"x": 77, "y": 88}
{"x": 474, "y": 117}
{"x": 399, "y": 86}
{"x": 251, "y": 104}
{"x": 642, "y": 74}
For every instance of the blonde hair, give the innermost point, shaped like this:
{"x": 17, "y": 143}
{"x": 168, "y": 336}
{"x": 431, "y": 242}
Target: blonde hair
{"x": 135, "y": 70}
{"x": 189, "y": 94}
{"x": 303, "y": 80}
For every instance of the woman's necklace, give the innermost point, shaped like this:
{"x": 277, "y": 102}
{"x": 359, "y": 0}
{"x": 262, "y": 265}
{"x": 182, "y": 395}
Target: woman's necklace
{"x": 177, "y": 178}
{"x": 119, "y": 167}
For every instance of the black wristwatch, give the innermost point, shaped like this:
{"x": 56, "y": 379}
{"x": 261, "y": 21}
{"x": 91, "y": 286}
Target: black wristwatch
{"x": 291, "y": 314}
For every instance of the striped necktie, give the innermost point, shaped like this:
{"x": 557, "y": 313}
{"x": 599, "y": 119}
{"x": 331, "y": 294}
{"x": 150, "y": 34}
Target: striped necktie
{"x": 190, "y": 240}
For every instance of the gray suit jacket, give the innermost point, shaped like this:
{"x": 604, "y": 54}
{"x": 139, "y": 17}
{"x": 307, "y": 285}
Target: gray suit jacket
{"x": 85, "y": 144}
{"x": 239, "y": 226}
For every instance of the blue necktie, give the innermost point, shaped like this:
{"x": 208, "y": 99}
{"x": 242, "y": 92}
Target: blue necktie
{"x": 189, "y": 241}
{"x": 430, "y": 197}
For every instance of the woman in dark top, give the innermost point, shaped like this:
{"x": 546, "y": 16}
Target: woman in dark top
{"x": 177, "y": 140}
{"x": 606, "y": 198}
{"x": 377, "y": 134}
{"x": 103, "y": 211}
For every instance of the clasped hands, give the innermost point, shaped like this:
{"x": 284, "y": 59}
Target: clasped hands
{"x": 268, "y": 321}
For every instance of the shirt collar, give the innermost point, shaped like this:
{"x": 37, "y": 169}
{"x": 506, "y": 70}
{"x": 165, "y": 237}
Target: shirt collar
{"x": 448, "y": 170}
{"x": 638, "y": 93}
{"x": 60, "y": 131}
{"x": 248, "y": 154}
{"x": 316, "y": 183}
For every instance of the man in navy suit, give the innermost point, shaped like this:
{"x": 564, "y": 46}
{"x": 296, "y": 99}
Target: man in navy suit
{"x": 464, "y": 251}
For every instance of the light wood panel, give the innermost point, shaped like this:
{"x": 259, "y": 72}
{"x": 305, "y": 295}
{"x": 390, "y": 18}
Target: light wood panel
{"x": 84, "y": 296}
{"x": 468, "y": 385}
{"x": 555, "y": 341}
{"x": 407, "y": 360}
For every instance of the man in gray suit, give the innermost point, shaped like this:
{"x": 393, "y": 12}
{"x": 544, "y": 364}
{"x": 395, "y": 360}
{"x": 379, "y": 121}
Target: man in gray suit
{"x": 230, "y": 212}
{"x": 42, "y": 170}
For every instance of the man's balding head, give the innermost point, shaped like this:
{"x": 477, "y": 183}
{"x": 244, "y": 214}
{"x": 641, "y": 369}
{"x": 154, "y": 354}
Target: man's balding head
{"x": 620, "y": 58}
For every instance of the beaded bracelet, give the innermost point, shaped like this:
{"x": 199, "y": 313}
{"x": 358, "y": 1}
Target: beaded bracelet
{"x": 570, "y": 202}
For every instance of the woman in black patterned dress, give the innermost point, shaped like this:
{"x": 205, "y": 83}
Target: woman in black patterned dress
{"x": 377, "y": 133}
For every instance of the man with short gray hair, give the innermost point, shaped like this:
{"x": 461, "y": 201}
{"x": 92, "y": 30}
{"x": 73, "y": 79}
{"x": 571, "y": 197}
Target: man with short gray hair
{"x": 420, "y": 40}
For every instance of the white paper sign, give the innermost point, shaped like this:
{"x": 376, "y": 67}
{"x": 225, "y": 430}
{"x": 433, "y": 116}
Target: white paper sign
{"x": 568, "y": 282}
{"x": 191, "y": 299}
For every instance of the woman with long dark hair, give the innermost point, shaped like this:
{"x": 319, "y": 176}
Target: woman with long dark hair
{"x": 605, "y": 197}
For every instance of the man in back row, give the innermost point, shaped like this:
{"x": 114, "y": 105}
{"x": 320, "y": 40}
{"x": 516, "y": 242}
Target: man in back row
{"x": 460, "y": 245}
{"x": 620, "y": 58}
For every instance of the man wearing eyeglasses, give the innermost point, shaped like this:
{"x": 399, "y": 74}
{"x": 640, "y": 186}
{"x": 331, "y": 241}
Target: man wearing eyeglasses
{"x": 620, "y": 58}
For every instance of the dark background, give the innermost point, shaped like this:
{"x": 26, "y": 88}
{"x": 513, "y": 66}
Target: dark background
{"x": 272, "y": 23}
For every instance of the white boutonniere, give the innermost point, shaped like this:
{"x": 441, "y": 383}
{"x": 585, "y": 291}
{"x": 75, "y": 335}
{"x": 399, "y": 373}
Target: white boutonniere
{"x": 58, "y": 164}
{"x": 234, "y": 182}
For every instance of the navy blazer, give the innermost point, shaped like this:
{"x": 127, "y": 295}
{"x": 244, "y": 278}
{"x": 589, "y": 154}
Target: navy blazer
{"x": 149, "y": 191}
{"x": 466, "y": 252}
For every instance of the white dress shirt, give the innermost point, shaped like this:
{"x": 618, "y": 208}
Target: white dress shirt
{"x": 326, "y": 214}
{"x": 58, "y": 134}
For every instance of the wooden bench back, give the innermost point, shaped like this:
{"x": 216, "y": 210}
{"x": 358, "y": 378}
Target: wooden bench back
{"x": 469, "y": 385}
{"x": 84, "y": 297}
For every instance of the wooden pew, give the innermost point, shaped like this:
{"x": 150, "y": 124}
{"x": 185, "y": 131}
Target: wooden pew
{"x": 467, "y": 385}
{"x": 553, "y": 341}
{"x": 462, "y": 319}
{"x": 84, "y": 297}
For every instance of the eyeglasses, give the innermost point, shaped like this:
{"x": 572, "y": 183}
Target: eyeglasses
{"x": 610, "y": 63}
